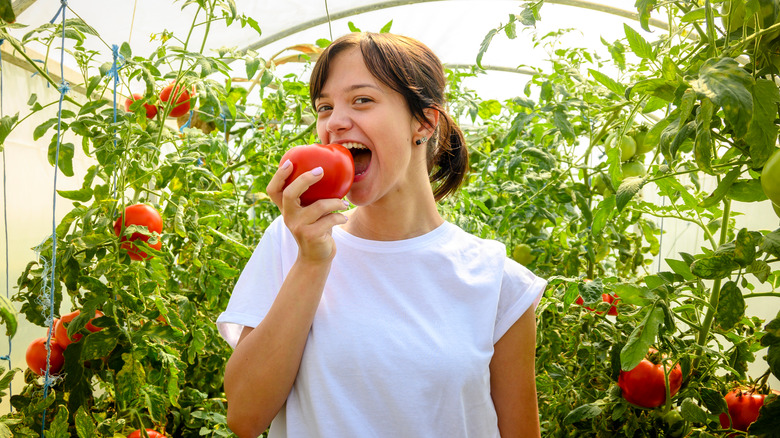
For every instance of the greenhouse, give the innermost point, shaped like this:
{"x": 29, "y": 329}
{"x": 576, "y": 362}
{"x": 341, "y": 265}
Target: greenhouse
{"x": 554, "y": 218}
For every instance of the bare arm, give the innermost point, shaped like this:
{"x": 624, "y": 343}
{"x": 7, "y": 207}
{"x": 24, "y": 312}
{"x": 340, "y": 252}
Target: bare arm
{"x": 262, "y": 369}
{"x": 513, "y": 380}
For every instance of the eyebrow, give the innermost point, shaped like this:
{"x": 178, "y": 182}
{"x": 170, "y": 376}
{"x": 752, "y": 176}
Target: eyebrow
{"x": 353, "y": 88}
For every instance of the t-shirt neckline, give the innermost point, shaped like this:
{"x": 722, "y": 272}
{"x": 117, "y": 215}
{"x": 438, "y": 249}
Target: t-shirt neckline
{"x": 440, "y": 232}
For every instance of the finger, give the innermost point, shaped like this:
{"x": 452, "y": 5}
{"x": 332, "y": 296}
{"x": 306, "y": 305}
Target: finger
{"x": 292, "y": 193}
{"x": 321, "y": 208}
{"x": 276, "y": 185}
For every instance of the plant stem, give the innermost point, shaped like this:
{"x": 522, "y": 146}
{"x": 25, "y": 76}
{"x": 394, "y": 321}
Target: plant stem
{"x": 706, "y": 325}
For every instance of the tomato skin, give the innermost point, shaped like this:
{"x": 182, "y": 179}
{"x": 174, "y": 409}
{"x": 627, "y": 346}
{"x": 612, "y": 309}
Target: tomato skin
{"x": 151, "y": 110}
{"x": 61, "y": 332}
{"x": 151, "y": 432}
{"x": 644, "y": 385}
{"x": 36, "y": 357}
{"x": 182, "y": 104}
{"x": 336, "y": 162}
{"x": 142, "y": 215}
{"x": 770, "y": 177}
{"x": 743, "y": 408}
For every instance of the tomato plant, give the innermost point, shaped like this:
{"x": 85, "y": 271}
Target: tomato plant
{"x": 336, "y": 162}
{"x": 605, "y": 297}
{"x": 181, "y": 100}
{"x": 36, "y": 357}
{"x": 149, "y": 109}
{"x": 140, "y": 215}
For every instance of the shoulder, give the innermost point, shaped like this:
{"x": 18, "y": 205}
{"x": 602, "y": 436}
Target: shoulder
{"x": 467, "y": 241}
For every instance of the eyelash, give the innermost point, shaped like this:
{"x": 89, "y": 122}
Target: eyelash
{"x": 358, "y": 100}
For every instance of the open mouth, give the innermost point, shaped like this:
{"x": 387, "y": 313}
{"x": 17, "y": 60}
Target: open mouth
{"x": 361, "y": 155}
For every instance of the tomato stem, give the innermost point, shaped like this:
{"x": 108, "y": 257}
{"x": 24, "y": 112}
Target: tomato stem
{"x": 715, "y": 296}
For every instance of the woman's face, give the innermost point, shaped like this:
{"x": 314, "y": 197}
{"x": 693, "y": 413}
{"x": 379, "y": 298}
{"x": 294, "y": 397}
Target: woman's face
{"x": 358, "y": 111}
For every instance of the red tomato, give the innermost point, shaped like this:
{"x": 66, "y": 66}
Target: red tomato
{"x": 142, "y": 215}
{"x": 743, "y": 408}
{"x": 36, "y": 357}
{"x": 181, "y": 105}
{"x": 152, "y": 434}
{"x": 607, "y": 298}
{"x": 335, "y": 160}
{"x": 61, "y": 332}
{"x": 151, "y": 110}
{"x": 644, "y": 385}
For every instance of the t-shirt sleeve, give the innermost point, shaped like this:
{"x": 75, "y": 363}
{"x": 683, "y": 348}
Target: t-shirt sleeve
{"x": 256, "y": 287}
{"x": 520, "y": 290}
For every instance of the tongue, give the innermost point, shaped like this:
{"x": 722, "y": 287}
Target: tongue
{"x": 362, "y": 159}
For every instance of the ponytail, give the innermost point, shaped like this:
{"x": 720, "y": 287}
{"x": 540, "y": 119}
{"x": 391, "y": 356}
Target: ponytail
{"x": 448, "y": 158}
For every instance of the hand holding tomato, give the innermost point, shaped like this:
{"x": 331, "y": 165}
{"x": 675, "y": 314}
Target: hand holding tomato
{"x": 311, "y": 218}
{"x": 336, "y": 162}
{"x": 141, "y": 215}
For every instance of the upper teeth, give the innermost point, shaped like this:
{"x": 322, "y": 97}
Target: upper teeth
{"x": 352, "y": 145}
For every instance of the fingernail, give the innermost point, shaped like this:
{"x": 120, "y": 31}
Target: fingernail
{"x": 346, "y": 203}
{"x": 346, "y": 218}
{"x": 286, "y": 164}
{"x": 316, "y": 171}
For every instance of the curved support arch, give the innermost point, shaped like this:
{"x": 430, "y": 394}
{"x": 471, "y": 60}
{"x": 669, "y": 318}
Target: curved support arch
{"x": 395, "y": 3}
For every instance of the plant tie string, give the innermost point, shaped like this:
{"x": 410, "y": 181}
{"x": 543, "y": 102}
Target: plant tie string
{"x": 64, "y": 88}
{"x": 186, "y": 124}
{"x": 114, "y": 72}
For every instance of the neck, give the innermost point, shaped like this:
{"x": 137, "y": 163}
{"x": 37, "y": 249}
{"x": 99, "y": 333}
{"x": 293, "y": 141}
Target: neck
{"x": 394, "y": 221}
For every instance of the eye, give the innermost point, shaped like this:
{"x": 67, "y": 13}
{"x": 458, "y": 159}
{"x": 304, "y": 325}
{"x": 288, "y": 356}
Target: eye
{"x": 363, "y": 100}
{"x": 323, "y": 108}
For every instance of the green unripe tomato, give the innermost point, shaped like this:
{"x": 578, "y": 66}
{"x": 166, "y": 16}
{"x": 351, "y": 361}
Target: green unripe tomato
{"x": 633, "y": 168}
{"x": 644, "y": 146}
{"x": 627, "y": 146}
{"x": 770, "y": 177}
{"x": 522, "y": 254}
{"x": 598, "y": 184}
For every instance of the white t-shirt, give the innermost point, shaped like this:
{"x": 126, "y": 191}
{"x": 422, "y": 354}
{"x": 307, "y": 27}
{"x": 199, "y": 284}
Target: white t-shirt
{"x": 403, "y": 336}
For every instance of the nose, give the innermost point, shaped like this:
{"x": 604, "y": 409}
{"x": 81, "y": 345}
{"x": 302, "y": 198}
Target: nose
{"x": 339, "y": 120}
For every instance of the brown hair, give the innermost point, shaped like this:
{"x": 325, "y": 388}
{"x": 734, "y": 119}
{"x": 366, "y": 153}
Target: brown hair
{"x": 413, "y": 70}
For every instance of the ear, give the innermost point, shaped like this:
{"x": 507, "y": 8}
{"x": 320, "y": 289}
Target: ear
{"x": 432, "y": 119}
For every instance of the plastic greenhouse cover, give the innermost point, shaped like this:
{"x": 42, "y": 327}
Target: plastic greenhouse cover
{"x": 454, "y": 29}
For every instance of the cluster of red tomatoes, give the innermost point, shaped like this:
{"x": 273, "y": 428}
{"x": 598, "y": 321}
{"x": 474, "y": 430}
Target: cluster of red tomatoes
{"x": 179, "y": 107}
{"x": 36, "y": 352}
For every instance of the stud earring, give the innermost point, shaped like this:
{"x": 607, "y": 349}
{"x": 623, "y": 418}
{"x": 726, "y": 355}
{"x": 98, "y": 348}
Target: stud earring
{"x": 421, "y": 141}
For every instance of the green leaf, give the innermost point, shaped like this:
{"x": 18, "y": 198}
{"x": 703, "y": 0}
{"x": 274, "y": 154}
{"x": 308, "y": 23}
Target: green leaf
{"x": 702, "y": 150}
{"x": 645, "y": 7}
{"x": 81, "y": 195}
{"x": 125, "y": 50}
{"x": 99, "y": 344}
{"x": 8, "y": 315}
{"x": 713, "y": 266}
{"x": 602, "y": 213}
{"x": 65, "y": 161}
{"x": 747, "y": 191}
{"x": 773, "y": 359}
{"x": 681, "y": 268}
{"x": 762, "y": 134}
{"x": 728, "y": 85}
{"x": 484, "y": 46}
{"x": 633, "y": 294}
{"x": 723, "y": 188}
{"x": 7, "y": 11}
{"x": 608, "y": 82}
{"x": 638, "y": 44}
{"x": 760, "y": 269}
{"x": 713, "y": 400}
{"x": 252, "y": 65}
{"x": 694, "y": 15}
{"x": 628, "y": 188}
{"x": 386, "y": 28}
{"x": 223, "y": 270}
{"x": 6, "y": 126}
{"x": 771, "y": 243}
{"x": 691, "y": 412}
{"x": 731, "y": 306}
{"x": 41, "y": 129}
{"x": 59, "y": 427}
{"x": 745, "y": 246}
{"x": 641, "y": 339}
{"x": 85, "y": 427}
{"x": 561, "y": 121}
{"x": 582, "y": 413}
{"x": 661, "y": 88}
{"x": 768, "y": 423}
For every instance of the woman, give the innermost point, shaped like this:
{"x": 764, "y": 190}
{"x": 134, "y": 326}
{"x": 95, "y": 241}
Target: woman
{"x": 384, "y": 320}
